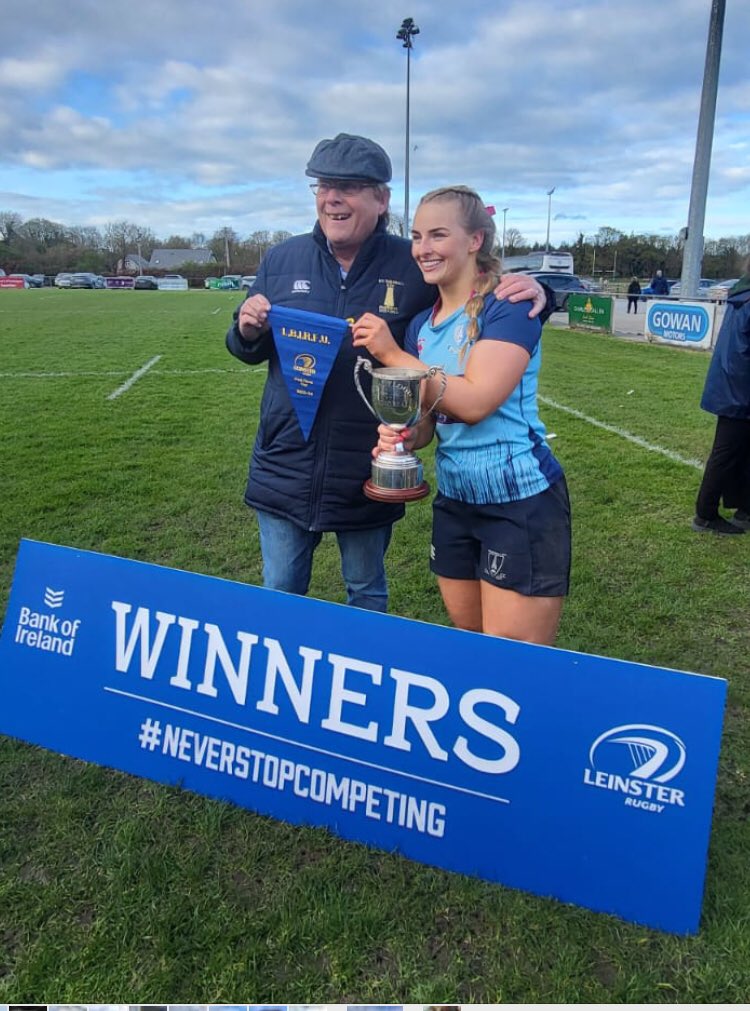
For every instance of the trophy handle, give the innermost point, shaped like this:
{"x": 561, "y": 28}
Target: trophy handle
{"x": 433, "y": 371}
{"x": 363, "y": 362}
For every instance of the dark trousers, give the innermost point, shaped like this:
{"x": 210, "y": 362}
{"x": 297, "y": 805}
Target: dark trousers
{"x": 633, "y": 300}
{"x": 727, "y": 473}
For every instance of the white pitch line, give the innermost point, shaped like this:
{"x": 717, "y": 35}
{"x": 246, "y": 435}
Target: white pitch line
{"x": 215, "y": 311}
{"x": 134, "y": 378}
{"x": 670, "y": 455}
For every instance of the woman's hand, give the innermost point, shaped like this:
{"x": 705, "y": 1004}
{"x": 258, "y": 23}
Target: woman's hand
{"x": 392, "y": 441}
{"x": 372, "y": 333}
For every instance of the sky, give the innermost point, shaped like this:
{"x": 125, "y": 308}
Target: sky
{"x": 186, "y": 117}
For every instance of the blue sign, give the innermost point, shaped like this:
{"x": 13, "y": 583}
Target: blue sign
{"x": 307, "y": 344}
{"x": 573, "y": 776}
{"x": 675, "y": 321}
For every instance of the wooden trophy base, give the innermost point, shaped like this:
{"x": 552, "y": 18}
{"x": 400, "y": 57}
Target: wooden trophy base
{"x": 372, "y": 491}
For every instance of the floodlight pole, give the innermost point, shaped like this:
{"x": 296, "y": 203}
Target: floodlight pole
{"x": 405, "y": 34}
{"x": 549, "y": 215}
{"x": 692, "y": 256}
{"x": 505, "y": 212}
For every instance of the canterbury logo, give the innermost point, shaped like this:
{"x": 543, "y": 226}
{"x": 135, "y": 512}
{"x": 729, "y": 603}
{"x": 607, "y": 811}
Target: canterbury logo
{"x": 301, "y": 286}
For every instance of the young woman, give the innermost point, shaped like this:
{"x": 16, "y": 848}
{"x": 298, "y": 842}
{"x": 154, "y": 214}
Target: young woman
{"x": 501, "y": 517}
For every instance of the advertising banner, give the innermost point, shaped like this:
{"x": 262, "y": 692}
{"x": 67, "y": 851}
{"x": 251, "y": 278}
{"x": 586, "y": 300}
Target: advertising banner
{"x": 590, "y": 312}
{"x": 687, "y": 324}
{"x": 119, "y": 282}
{"x": 578, "y": 777}
{"x": 12, "y": 282}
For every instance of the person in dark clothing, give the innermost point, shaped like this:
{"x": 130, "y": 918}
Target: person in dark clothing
{"x": 659, "y": 285}
{"x": 727, "y": 394}
{"x": 634, "y": 290}
{"x": 349, "y": 265}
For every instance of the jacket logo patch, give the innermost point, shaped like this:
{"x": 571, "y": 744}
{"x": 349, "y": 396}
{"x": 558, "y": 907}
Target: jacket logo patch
{"x": 301, "y": 286}
{"x": 389, "y": 301}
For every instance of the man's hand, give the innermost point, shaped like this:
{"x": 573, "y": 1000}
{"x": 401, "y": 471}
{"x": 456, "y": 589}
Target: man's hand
{"x": 253, "y": 317}
{"x": 519, "y": 287}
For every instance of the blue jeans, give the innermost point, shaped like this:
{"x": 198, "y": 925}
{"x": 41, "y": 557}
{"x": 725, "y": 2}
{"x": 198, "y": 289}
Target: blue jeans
{"x": 288, "y": 554}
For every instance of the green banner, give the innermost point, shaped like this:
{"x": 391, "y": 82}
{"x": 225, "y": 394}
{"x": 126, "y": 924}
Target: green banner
{"x": 591, "y": 312}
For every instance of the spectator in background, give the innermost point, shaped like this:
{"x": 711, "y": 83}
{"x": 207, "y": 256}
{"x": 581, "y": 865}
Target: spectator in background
{"x": 634, "y": 290}
{"x": 659, "y": 284}
{"x": 727, "y": 395}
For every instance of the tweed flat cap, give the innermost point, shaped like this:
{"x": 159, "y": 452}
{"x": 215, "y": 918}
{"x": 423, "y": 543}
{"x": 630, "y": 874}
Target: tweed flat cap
{"x": 347, "y": 156}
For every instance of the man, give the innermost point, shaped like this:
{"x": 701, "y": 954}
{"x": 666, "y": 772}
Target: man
{"x": 727, "y": 395}
{"x": 347, "y": 266}
{"x": 659, "y": 285}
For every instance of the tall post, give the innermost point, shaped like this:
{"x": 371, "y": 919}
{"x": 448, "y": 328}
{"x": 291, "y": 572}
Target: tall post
{"x": 692, "y": 256}
{"x": 549, "y": 215}
{"x": 406, "y": 33}
{"x": 140, "y": 258}
{"x": 505, "y": 211}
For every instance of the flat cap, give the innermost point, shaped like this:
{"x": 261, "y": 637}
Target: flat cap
{"x": 350, "y": 157}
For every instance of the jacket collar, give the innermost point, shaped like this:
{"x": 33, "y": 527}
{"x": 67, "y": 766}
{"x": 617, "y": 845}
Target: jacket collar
{"x": 367, "y": 251}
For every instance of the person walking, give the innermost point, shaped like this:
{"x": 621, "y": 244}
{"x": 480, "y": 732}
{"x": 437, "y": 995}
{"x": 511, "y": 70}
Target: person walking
{"x": 348, "y": 265}
{"x": 659, "y": 284}
{"x": 501, "y": 517}
{"x": 726, "y": 394}
{"x": 634, "y": 291}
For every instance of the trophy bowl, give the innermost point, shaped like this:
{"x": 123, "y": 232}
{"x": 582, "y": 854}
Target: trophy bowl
{"x": 396, "y": 402}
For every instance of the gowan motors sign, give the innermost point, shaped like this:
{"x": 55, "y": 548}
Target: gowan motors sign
{"x": 689, "y": 324}
{"x": 573, "y": 776}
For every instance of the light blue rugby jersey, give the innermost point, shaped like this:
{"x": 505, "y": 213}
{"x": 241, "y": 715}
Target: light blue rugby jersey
{"x": 505, "y": 457}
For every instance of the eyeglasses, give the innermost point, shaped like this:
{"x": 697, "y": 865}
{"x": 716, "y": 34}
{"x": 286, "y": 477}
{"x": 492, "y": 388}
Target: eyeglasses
{"x": 346, "y": 186}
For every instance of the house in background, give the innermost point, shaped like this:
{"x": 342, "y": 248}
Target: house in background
{"x": 172, "y": 259}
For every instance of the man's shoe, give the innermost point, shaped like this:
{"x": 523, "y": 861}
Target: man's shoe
{"x": 718, "y": 526}
{"x": 741, "y": 519}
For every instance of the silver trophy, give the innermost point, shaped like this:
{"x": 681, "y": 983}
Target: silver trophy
{"x": 396, "y": 402}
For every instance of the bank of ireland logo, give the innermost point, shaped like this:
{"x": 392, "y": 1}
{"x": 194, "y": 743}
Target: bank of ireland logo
{"x": 638, "y": 760}
{"x": 305, "y": 363}
{"x": 46, "y": 630}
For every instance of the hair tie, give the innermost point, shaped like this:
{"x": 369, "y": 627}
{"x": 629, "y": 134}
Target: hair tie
{"x": 490, "y": 210}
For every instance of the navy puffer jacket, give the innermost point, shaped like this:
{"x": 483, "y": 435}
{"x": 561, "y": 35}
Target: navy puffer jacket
{"x": 318, "y": 484}
{"x": 727, "y": 389}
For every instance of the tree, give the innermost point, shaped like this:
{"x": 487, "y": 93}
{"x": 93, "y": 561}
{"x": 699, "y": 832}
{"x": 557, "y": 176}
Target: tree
{"x": 514, "y": 241}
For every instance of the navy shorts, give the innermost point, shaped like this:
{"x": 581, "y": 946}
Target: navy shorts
{"x": 522, "y": 546}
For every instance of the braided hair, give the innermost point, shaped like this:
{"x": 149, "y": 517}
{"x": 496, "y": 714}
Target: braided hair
{"x": 474, "y": 218}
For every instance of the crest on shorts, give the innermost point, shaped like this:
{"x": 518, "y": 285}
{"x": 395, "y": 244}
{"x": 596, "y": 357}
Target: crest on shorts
{"x": 495, "y": 562}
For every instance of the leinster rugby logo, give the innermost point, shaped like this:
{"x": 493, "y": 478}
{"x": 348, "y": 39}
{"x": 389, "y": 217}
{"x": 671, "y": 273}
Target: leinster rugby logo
{"x": 305, "y": 364}
{"x": 637, "y": 760}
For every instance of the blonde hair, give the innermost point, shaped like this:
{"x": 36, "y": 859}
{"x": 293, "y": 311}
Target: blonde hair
{"x": 474, "y": 218}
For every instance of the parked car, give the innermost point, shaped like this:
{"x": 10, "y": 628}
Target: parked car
{"x": 562, "y": 285}
{"x": 230, "y": 282}
{"x": 703, "y": 285}
{"x": 145, "y": 282}
{"x": 30, "y": 280}
{"x": 648, "y": 290}
{"x": 247, "y": 281}
{"x": 719, "y": 291}
{"x": 62, "y": 280}
{"x": 85, "y": 279}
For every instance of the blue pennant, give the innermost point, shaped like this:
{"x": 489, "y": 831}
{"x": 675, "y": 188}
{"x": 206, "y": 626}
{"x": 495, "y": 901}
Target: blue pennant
{"x": 307, "y": 344}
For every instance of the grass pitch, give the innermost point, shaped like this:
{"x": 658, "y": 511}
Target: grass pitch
{"x": 115, "y": 889}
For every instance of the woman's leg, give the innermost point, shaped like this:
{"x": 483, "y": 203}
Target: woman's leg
{"x": 463, "y": 602}
{"x": 515, "y": 616}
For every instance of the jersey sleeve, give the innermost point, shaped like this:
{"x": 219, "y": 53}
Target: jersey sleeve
{"x": 509, "y": 322}
{"x": 411, "y": 341}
